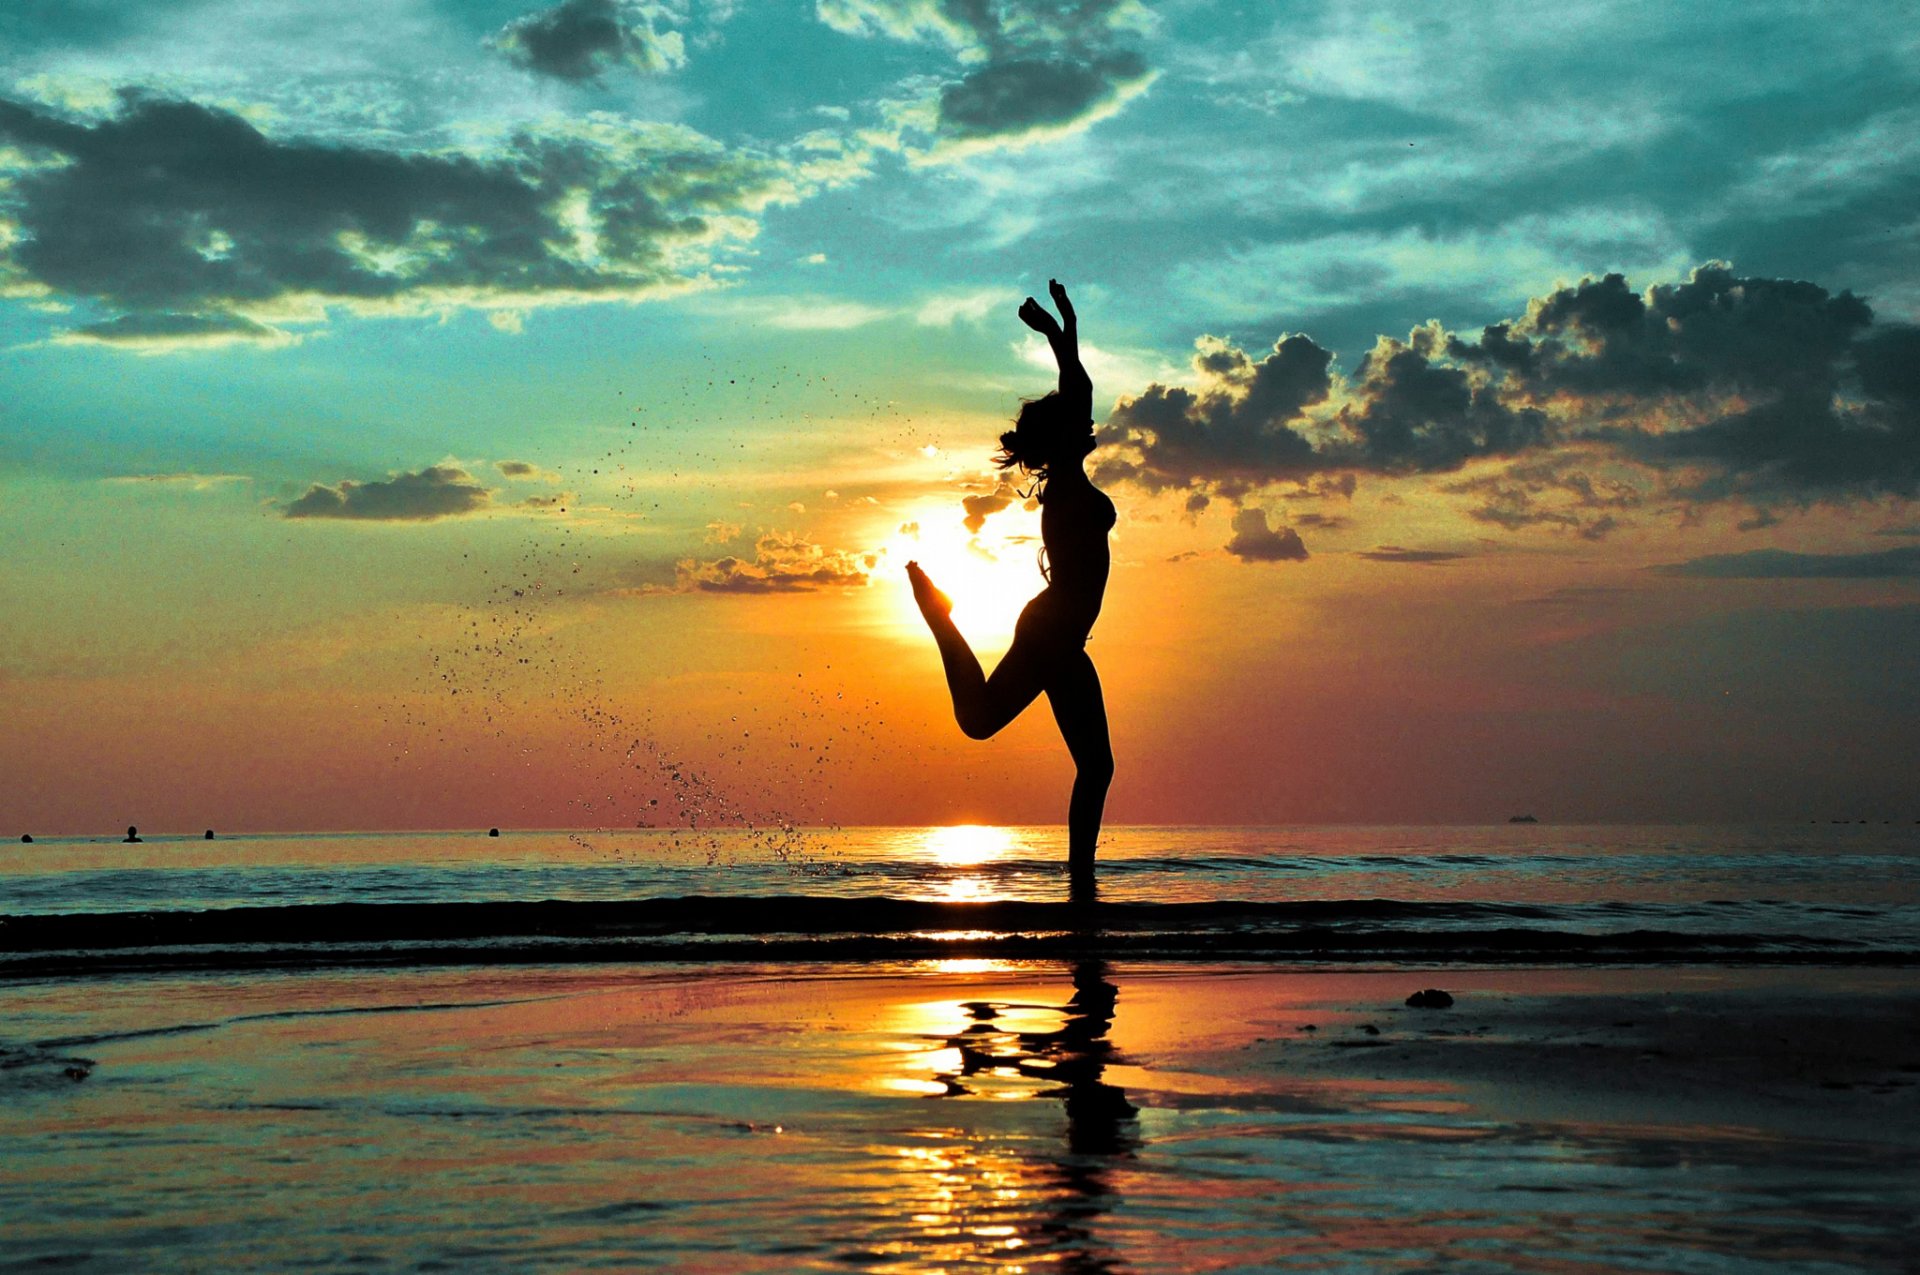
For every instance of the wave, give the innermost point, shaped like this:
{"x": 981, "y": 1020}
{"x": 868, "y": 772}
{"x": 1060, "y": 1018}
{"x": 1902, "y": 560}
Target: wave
{"x": 783, "y": 928}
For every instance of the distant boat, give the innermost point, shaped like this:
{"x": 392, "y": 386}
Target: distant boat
{"x": 1522, "y": 819}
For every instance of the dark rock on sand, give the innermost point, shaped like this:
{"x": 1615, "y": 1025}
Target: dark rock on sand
{"x": 1430, "y": 998}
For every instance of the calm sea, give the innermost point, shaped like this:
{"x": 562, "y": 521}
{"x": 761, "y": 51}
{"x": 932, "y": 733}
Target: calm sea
{"x": 1842, "y": 886}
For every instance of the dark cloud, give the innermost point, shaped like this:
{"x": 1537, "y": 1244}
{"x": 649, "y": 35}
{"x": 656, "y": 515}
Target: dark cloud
{"x": 1781, "y": 564}
{"x": 1022, "y": 95}
{"x": 1723, "y": 386}
{"x": 1244, "y": 426}
{"x": 1254, "y": 541}
{"x": 438, "y": 491}
{"x": 164, "y": 330}
{"x": 781, "y": 564}
{"x": 187, "y": 217}
{"x": 581, "y": 39}
{"x": 1033, "y": 68}
{"x": 517, "y": 468}
{"x": 1419, "y": 557}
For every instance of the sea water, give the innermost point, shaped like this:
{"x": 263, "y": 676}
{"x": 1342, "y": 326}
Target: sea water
{"x": 1852, "y": 885}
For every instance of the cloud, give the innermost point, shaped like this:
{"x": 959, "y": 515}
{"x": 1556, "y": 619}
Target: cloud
{"x": 782, "y": 563}
{"x": 1254, "y": 541}
{"x": 1780, "y": 564}
{"x": 582, "y": 39}
{"x": 1725, "y": 387}
{"x": 1244, "y": 426}
{"x": 201, "y": 229}
{"x": 438, "y": 491}
{"x": 165, "y": 333}
{"x": 189, "y": 481}
{"x": 1559, "y": 490}
{"x": 1030, "y": 71}
{"x": 980, "y": 507}
{"x": 525, "y": 469}
{"x": 1419, "y": 557}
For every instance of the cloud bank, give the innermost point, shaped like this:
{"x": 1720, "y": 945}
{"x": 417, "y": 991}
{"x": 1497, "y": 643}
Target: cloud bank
{"x": 200, "y": 228}
{"x": 1723, "y": 386}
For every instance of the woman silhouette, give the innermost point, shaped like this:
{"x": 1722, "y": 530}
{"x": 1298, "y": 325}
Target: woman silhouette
{"x": 1050, "y": 441}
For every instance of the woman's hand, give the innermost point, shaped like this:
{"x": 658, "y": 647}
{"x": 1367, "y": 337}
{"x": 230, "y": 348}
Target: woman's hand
{"x": 1035, "y": 316}
{"x": 1060, "y": 302}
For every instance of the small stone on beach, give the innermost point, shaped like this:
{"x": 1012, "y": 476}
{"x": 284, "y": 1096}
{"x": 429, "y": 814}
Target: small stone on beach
{"x": 1430, "y": 998}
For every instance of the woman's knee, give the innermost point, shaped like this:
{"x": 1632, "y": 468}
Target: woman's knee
{"x": 977, "y": 723}
{"x": 1096, "y": 768}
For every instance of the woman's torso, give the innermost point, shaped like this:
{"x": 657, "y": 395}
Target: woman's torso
{"x": 1075, "y": 518}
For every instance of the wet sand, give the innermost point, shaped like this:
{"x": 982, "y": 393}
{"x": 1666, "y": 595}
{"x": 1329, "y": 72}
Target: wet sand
{"x": 963, "y": 1115}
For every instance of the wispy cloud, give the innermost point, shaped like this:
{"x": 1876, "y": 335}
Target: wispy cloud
{"x": 1782, "y": 564}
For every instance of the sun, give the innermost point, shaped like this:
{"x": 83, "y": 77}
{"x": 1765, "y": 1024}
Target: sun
{"x": 990, "y": 575}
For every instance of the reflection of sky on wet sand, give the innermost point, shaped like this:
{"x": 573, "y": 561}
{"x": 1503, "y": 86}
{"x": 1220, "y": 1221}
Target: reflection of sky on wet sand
{"x": 990, "y": 1117}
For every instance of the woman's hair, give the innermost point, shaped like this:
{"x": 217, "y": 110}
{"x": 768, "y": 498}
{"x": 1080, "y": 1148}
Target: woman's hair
{"x": 1042, "y": 435}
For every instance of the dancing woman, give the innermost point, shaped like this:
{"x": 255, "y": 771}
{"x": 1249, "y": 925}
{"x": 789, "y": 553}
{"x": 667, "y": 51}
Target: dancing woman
{"x": 1050, "y": 441}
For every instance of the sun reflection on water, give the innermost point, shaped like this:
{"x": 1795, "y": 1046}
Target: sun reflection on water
{"x": 1009, "y": 1199}
{"x": 968, "y": 843}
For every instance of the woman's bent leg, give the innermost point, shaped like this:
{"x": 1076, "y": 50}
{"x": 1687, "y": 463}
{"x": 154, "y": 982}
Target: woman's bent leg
{"x": 1081, "y": 711}
{"x": 981, "y": 704}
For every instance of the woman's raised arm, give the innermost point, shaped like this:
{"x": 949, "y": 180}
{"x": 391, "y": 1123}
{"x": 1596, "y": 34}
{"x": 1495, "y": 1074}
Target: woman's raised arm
{"x": 1064, "y": 336}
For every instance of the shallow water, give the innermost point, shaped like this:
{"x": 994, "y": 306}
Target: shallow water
{"x": 1076, "y": 1118}
{"x": 1853, "y": 884}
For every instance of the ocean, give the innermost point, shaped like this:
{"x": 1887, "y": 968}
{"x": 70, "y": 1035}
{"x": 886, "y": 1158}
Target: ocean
{"x": 1831, "y": 892}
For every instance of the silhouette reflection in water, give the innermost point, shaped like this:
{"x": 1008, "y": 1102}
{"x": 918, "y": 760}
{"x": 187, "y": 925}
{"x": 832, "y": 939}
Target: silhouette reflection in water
{"x": 1045, "y": 1212}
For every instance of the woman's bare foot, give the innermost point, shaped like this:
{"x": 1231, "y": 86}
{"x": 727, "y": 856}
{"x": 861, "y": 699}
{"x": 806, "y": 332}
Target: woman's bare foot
{"x": 932, "y": 601}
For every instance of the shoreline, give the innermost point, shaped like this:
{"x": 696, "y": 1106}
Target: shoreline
{"x": 799, "y": 929}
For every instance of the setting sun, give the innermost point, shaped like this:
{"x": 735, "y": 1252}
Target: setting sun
{"x": 990, "y": 575}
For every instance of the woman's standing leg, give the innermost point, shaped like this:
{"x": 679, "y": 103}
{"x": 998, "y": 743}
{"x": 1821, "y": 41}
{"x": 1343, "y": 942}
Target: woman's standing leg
{"x": 1081, "y": 711}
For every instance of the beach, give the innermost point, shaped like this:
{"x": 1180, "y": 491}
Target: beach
{"x": 956, "y": 1115}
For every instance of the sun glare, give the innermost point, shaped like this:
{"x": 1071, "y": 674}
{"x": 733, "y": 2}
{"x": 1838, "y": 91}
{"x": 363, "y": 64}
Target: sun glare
{"x": 990, "y": 575}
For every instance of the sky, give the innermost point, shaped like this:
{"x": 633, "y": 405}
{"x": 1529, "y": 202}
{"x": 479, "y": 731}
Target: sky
{"x": 432, "y": 414}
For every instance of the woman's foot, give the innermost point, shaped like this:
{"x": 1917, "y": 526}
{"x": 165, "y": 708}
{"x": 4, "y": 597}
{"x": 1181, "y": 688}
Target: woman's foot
{"x": 932, "y": 601}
